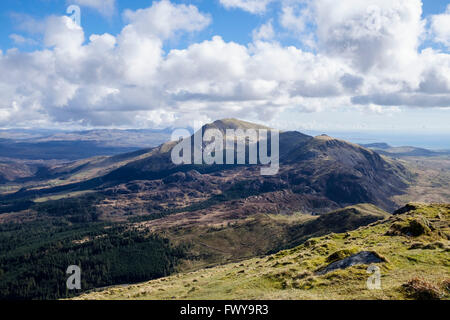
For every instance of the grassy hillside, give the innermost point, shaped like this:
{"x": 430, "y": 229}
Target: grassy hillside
{"x": 412, "y": 248}
{"x": 35, "y": 250}
{"x": 431, "y": 180}
{"x": 261, "y": 234}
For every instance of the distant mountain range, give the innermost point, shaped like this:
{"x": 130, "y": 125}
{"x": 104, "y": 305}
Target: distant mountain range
{"x": 386, "y": 149}
{"x": 60, "y": 145}
{"x": 41, "y": 144}
{"x": 317, "y": 174}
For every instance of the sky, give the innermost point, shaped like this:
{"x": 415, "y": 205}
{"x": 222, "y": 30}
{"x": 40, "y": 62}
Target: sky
{"x": 373, "y": 66}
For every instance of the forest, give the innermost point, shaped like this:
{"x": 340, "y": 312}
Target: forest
{"x": 34, "y": 256}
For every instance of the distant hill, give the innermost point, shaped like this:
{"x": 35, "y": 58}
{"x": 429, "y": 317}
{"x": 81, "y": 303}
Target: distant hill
{"x": 143, "y": 138}
{"x": 385, "y": 149}
{"x": 49, "y": 145}
{"x": 380, "y": 145}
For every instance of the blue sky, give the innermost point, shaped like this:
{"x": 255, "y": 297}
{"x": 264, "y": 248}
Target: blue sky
{"x": 233, "y": 25}
{"x": 325, "y": 66}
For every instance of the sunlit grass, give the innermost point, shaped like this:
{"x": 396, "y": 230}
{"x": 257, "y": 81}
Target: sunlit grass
{"x": 290, "y": 274}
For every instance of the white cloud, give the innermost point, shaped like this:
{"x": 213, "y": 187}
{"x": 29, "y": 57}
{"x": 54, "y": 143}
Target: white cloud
{"x": 21, "y": 40}
{"x": 252, "y": 6}
{"x": 163, "y": 19}
{"x": 27, "y": 23}
{"x": 264, "y": 32}
{"x": 63, "y": 34}
{"x": 296, "y": 17}
{"x": 129, "y": 80}
{"x": 440, "y": 26}
{"x": 105, "y": 7}
{"x": 370, "y": 34}
{"x": 292, "y": 20}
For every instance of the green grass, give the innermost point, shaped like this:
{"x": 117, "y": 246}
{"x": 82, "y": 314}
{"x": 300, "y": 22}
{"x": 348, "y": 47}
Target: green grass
{"x": 263, "y": 234}
{"x": 230, "y": 242}
{"x": 290, "y": 274}
{"x": 68, "y": 195}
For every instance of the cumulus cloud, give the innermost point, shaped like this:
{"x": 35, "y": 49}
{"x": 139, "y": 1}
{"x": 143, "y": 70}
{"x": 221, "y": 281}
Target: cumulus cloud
{"x": 370, "y": 34}
{"x": 105, "y": 7}
{"x": 163, "y": 19}
{"x": 92, "y": 82}
{"x": 294, "y": 18}
{"x": 367, "y": 56}
{"x": 264, "y": 32}
{"x": 252, "y": 6}
{"x": 63, "y": 34}
{"x": 440, "y": 27}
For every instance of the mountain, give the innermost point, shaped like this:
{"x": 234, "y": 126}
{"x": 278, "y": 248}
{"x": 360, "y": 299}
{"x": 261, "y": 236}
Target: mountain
{"x": 385, "y": 149}
{"x": 15, "y": 172}
{"x": 10, "y": 171}
{"x": 138, "y": 216}
{"x": 318, "y": 167}
{"x": 410, "y": 250}
{"x": 233, "y": 124}
{"x": 378, "y": 145}
{"x": 317, "y": 174}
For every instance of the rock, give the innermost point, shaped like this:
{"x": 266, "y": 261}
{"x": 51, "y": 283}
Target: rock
{"x": 411, "y": 228}
{"x": 363, "y": 257}
{"x": 429, "y": 246}
{"x": 341, "y": 254}
{"x": 409, "y": 207}
{"x": 176, "y": 177}
{"x": 193, "y": 175}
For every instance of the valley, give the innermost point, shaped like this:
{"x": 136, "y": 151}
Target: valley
{"x": 412, "y": 266}
{"x": 227, "y": 149}
{"x": 100, "y": 212}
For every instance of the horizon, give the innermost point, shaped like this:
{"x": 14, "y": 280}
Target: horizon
{"x": 386, "y": 69}
{"x": 431, "y": 141}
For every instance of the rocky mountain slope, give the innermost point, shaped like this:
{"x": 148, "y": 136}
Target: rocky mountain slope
{"x": 317, "y": 174}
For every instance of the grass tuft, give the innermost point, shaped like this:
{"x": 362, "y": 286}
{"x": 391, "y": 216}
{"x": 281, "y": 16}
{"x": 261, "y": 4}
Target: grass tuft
{"x": 420, "y": 289}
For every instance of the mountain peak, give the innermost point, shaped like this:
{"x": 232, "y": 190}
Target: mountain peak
{"x": 325, "y": 137}
{"x": 232, "y": 123}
